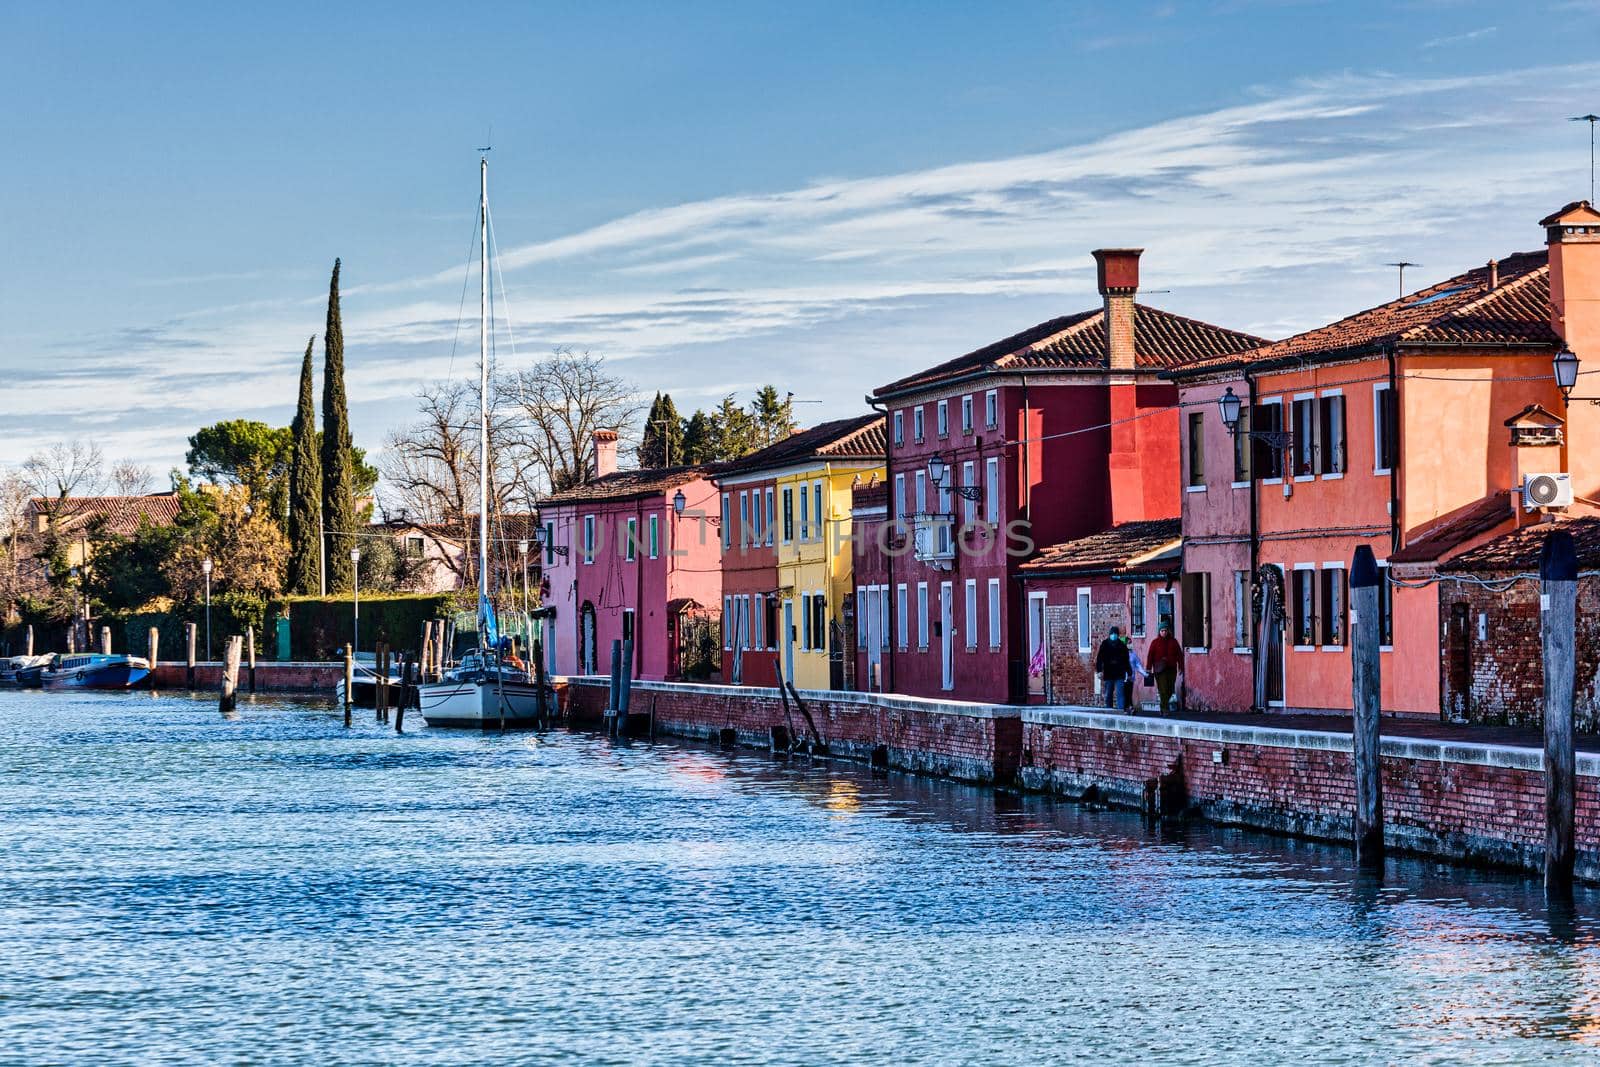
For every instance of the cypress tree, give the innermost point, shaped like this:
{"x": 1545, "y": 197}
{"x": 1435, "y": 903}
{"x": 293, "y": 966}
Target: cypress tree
{"x": 662, "y": 442}
{"x": 697, "y": 439}
{"x": 338, "y": 477}
{"x": 305, "y": 487}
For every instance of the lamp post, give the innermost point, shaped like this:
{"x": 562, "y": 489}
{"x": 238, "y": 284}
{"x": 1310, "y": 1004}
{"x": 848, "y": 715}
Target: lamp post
{"x": 205, "y": 566}
{"x": 355, "y": 599}
{"x": 522, "y": 547}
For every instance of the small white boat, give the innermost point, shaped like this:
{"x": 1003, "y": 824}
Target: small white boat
{"x": 481, "y": 693}
{"x": 364, "y": 691}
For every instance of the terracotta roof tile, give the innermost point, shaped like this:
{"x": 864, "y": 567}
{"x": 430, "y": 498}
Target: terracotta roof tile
{"x": 625, "y": 485}
{"x": 857, "y": 437}
{"x": 1456, "y": 529}
{"x": 1462, "y": 310}
{"x": 1111, "y": 551}
{"x": 1162, "y": 340}
{"x": 120, "y": 515}
{"x": 1519, "y": 550}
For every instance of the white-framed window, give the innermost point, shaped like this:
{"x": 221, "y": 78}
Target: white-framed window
{"x": 899, "y": 427}
{"x": 655, "y": 536}
{"x": 903, "y": 617}
{"x": 588, "y": 539}
{"x": 1085, "y": 634}
{"x": 991, "y": 490}
{"x": 966, "y": 413}
{"x": 1241, "y": 611}
{"x": 969, "y": 621}
{"x": 1385, "y": 607}
{"x": 1195, "y": 452}
{"x": 922, "y": 491}
{"x": 1164, "y": 608}
{"x": 727, "y": 521}
{"x": 916, "y": 423}
{"x": 805, "y": 622}
{"x": 922, "y": 616}
{"x": 1303, "y": 601}
{"x": 768, "y": 524}
{"x": 757, "y": 618}
{"x": 969, "y": 507}
{"x": 991, "y": 409}
{"x": 630, "y": 539}
{"x": 1266, "y": 458}
{"x": 1385, "y": 429}
{"x": 1136, "y": 610}
{"x": 945, "y": 507}
{"x": 942, "y": 417}
{"x": 1303, "y": 442}
{"x": 550, "y": 544}
{"x": 805, "y": 513}
{"x": 788, "y": 514}
{"x": 994, "y": 614}
{"x": 1330, "y": 434}
{"x": 1334, "y": 601}
{"x": 819, "y": 622}
{"x": 821, "y": 525}
{"x": 863, "y": 623}
{"x": 727, "y": 624}
{"x": 899, "y": 494}
{"x": 745, "y": 532}
{"x": 1196, "y": 611}
{"x": 883, "y": 613}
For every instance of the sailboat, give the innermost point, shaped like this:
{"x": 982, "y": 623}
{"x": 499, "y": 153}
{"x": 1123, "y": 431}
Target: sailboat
{"x": 484, "y": 691}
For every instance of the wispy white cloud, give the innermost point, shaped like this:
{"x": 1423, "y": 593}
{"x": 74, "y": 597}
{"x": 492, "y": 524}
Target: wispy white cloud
{"x": 1462, "y": 38}
{"x": 1269, "y": 216}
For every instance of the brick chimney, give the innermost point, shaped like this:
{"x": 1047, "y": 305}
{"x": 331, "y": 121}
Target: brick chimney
{"x": 1573, "y": 237}
{"x": 605, "y": 453}
{"x": 1118, "y": 275}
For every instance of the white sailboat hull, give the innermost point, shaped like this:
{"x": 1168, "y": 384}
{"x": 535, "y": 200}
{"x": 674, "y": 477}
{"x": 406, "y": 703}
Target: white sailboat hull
{"x": 478, "y": 705}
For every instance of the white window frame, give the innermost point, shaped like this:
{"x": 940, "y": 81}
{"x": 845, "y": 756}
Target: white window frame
{"x": 727, "y": 521}
{"x": 655, "y": 536}
{"x": 1282, "y": 422}
{"x": 1085, "y": 605}
{"x": 1378, "y": 389}
{"x": 902, "y": 616}
{"x": 727, "y": 623}
{"x": 966, "y": 413}
{"x": 991, "y": 490}
{"x": 745, "y": 532}
{"x": 941, "y": 420}
{"x": 1193, "y": 419}
{"x": 991, "y": 409}
{"x": 589, "y": 529}
{"x": 922, "y": 616}
{"x": 995, "y": 611}
{"x": 1295, "y": 592}
{"x": 922, "y": 491}
{"x": 969, "y": 507}
{"x": 863, "y": 623}
{"x": 918, "y": 424}
{"x": 899, "y": 494}
{"x": 1294, "y": 439}
{"x": 788, "y": 514}
{"x": 630, "y": 539}
{"x": 1241, "y": 611}
{"x": 883, "y": 610}
{"x": 770, "y": 516}
{"x": 1383, "y": 576}
{"x": 820, "y": 526}
{"x": 1327, "y": 447}
{"x": 900, "y": 427}
{"x": 805, "y": 514}
{"x": 970, "y": 621}
{"x": 1143, "y": 616}
{"x": 550, "y": 543}
{"x": 1322, "y": 614}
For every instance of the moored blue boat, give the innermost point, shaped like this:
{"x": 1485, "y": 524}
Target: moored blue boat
{"x": 92, "y": 670}
{"x": 22, "y": 672}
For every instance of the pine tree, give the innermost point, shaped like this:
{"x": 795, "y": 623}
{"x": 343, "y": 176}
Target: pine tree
{"x": 305, "y": 488}
{"x": 733, "y": 431}
{"x": 338, "y": 476}
{"x": 697, "y": 443}
{"x": 773, "y": 418}
{"x": 662, "y": 442}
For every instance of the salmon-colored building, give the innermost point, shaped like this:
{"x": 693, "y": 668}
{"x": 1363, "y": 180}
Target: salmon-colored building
{"x": 1411, "y": 427}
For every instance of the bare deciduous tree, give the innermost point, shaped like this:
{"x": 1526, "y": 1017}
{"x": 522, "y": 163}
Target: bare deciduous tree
{"x": 65, "y": 469}
{"x": 130, "y": 479}
{"x": 560, "y": 401}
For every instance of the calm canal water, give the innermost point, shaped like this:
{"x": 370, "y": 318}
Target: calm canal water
{"x": 181, "y": 888}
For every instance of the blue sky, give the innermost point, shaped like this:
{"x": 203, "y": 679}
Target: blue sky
{"x": 824, "y": 196}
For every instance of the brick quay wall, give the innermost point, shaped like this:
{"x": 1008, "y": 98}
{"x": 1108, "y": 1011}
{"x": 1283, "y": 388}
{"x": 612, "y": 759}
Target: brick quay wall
{"x": 273, "y": 677}
{"x": 1456, "y": 800}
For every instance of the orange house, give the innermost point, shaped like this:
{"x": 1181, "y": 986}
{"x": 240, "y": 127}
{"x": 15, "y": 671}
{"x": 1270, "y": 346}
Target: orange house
{"x": 1411, "y": 427}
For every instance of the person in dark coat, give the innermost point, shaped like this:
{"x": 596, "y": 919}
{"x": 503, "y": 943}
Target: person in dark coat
{"x": 1111, "y": 664}
{"x": 1163, "y": 661}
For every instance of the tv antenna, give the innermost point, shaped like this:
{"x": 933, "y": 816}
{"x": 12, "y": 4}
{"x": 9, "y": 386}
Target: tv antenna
{"x": 1591, "y": 120}
{"x": 1403, "y": 264}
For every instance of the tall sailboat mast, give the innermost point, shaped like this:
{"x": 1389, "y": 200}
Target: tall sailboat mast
{"x": 483, "y": 380}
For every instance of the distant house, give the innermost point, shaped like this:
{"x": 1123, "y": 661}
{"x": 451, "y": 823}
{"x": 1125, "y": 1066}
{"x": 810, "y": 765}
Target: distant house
{"x": 77, "y": 518}
{"x": 448, "y": 551}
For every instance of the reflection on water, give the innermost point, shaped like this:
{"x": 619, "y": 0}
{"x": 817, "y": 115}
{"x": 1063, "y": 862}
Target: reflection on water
{"x": 268, "y": 888}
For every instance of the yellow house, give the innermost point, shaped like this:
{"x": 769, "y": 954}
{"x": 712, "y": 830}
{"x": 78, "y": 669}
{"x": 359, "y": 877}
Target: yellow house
{"x": 813, "y": 493}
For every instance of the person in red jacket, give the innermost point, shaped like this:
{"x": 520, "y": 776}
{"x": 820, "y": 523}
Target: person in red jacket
{"x": 1163, "y": 660}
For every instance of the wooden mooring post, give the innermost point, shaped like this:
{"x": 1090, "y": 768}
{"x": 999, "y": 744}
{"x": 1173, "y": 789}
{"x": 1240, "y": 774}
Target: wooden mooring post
{"x": 155, "y": 648}
{"x": 105, "y": 640}
{"x": 1366, "y": 625}
{"x": 410, "y": 681}
{"x": 250, "y": 654}
{"x": 1558, "y": 605}
{"x": 349, "y": 680}
{"x": 30, "y": 639}
{"x": 188, "y": 637}
{"x": 230, "y": 674}
{"x": 426, "y": 648}
{"x": 380, "y": 696}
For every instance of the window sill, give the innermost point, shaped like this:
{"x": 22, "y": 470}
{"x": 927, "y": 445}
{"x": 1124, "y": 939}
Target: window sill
{"x": 1238, "y": 485}
{"x": 1377, "y": 471}
{"x": 1242, "y": 650}
{"x": 1333, "y": 648}
{"x": 1272, "y": 481}
{"x": 994, "y": 648}
{"x": 1335, "y": 476}
{"x": 1196, "y": 651}
{"x": 1305, "y": 478}
{"x": 1194, "y": 489}
{"x": 1305, "y": 648}
{"x": 1385, "y": 648}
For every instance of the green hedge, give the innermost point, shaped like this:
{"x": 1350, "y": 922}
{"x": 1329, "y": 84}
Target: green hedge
{"x": 319, "y": 627}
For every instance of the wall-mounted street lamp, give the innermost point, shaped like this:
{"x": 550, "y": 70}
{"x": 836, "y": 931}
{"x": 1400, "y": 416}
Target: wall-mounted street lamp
{"x": 1231, "y": 408}
{"x": 680, "y": 502}
{"x": 1565, "y": 368}
{"x": 939, "y": 469}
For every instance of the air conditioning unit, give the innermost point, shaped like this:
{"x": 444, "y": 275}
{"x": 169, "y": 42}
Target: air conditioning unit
{"x": 1547, "y": 491}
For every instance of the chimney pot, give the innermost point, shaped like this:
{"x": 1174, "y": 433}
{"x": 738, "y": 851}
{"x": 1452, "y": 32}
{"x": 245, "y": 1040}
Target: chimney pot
{"x": 1117, "y": 271}
{"x": 1494, "y": 275}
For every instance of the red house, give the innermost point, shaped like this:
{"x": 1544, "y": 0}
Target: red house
{"x": 623, "y": 562}
{"x": 1052, "y": 434}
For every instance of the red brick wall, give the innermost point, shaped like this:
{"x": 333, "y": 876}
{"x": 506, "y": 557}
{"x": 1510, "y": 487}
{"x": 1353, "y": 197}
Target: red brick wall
{"x": 976, "y": 743}
{"x": 270, "y": 677}
{"x": 1498, "y": 679}
{"x": 1483, "y": 804}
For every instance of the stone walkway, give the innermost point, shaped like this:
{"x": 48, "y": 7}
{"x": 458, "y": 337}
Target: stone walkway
{"x": 1394, "y": 726}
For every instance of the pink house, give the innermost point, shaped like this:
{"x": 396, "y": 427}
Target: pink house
{"x": 622, "y": 562}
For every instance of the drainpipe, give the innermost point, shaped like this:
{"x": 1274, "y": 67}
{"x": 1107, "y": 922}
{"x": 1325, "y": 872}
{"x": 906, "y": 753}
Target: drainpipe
{"x": 1255, "y": 532}
{"x": 1394, "y": 468}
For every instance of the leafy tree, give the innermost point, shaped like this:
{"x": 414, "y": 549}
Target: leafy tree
{"x": 127, "y": 571}
{"x": 697, "y": 438}
{"x": 247, "y": 546}
{"x": 733, "y": 431}
{"x": 305, "y": 488}
{"x": 661, "y": 444}
{"x": 244, "y": 452}
{"x": 338, "y": 474}
{"x": 772, "y": 419}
